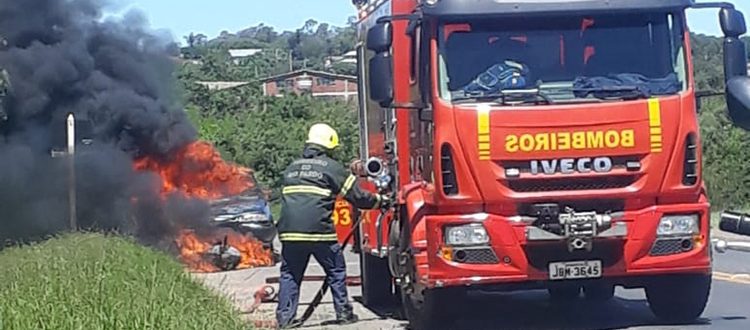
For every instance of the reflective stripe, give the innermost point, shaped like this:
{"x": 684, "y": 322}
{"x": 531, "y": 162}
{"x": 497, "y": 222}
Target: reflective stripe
{"x": 348, "y": 185}
{"x": 307, "y": 237}
{"x": 654, "y": 121}
{"x": 306, "y": 190}
{"x": 377, "y": 204}
{"x": 483, "y": 132}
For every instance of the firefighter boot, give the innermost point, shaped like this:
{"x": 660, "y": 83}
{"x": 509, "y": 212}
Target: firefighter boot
{"x": 347, "y": 317}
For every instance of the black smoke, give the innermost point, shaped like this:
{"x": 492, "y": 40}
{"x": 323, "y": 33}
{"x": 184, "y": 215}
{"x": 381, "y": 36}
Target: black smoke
{"x": 61, "y": 57}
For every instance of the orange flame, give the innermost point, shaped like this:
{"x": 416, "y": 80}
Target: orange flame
{"x": 198, "y": 170}
{"x": 194, "y": 250}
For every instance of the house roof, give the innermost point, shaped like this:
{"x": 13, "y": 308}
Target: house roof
{"x": 244, "y": 52}
{"x": 308, "y": 72}
{"x": 221, "y": 85}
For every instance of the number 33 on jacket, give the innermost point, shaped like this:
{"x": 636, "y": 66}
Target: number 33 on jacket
{"x": 342, "y": 218}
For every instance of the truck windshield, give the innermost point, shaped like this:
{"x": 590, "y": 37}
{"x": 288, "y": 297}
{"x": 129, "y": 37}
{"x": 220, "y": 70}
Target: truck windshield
{"x": 570, "y": 59}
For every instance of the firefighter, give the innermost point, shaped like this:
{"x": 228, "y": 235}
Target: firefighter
{"x": 310, "y": 187}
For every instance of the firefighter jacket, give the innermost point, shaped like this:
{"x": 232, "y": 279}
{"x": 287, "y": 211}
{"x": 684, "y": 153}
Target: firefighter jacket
{"x": 310, "y": 188}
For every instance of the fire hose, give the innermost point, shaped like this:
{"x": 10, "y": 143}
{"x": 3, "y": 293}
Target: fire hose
{"x": 264, "y": 294}
{"x": 324, "y": 288}
{"x": 267, "y": 293}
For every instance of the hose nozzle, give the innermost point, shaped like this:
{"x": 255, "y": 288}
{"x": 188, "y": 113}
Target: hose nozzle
{"x": 378, "y": 171}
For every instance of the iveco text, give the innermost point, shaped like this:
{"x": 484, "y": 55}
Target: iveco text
{"x": 571, "y": 165}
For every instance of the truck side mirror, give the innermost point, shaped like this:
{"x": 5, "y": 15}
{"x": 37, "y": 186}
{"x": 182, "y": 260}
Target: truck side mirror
{"x": 381, "y": 79}
{"x": 738, "y": 101}
{"x": 379, "y": 40}
{"x": 380, "y": 37}
{"x": 735, "y": 54}
{"x": 732, "y": 22}
{"x": 735, "y": 66}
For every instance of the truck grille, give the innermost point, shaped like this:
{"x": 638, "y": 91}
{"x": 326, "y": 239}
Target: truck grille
{"x": 668, "y": 246}
{"x": 618, "y": 162}
{"x": 629, "y": 167}
{"x": 483, "y": 255}
{"x": 580, "y": 205}
{"x": 571, "y": 184}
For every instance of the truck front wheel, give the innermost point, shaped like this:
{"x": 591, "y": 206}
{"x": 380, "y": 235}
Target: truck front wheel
{"x": 377, "y": 288}
{"x": 432, "y": 309}
{"x": 680, "y": 298}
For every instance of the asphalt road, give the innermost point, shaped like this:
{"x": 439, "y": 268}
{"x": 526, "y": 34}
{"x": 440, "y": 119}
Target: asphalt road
{"x": 728, "y": 308}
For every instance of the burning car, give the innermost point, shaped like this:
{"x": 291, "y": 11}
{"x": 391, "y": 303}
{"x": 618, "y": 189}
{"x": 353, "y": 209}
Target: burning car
{"x": 246, "y": 213}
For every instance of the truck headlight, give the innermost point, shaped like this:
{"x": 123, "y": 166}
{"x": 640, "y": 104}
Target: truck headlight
{"x": 473, "y": 234}
{"x": 671, "y": 225}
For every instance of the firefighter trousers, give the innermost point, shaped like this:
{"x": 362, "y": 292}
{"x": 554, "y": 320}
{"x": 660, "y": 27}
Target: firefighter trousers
{"x": 295, "y": 256}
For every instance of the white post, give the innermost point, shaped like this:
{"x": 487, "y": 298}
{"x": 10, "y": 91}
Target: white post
{"x": 291, "y": 63}
{"x": 71, "y": 125}
{"x": 346, "y": 90}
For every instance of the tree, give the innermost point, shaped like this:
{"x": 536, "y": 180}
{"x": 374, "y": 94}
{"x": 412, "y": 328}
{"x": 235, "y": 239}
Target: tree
{"x": 195, "y": 40}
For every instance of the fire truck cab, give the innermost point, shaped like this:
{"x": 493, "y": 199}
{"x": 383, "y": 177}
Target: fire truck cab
{"x": 537, "y": 144}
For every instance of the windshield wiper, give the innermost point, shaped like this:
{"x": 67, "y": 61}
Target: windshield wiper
{"x": 626, "y": 86}
{"x": 508, "y": 97}
{"x": 612, "y": 92}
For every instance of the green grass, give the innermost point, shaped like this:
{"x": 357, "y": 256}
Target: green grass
{"x": 89, "y": 281}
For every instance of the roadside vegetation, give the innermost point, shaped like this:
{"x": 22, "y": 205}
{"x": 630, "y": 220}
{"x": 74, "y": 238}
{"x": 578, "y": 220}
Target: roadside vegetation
{"x": 726, "y": 163}
{"x": 90, "y": 281}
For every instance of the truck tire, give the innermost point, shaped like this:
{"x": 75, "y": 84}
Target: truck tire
{"x": 680, "y": 298}
{"x": 377, "y": 287}
{"x": 599, "y": 292}
{"x": 436, "y": 309}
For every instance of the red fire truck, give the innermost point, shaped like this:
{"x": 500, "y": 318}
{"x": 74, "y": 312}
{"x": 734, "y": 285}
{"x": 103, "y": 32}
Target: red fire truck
{"x": 537, "y": 144}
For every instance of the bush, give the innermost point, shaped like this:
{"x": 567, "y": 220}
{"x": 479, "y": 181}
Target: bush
{"x": 94, "y": 282}
{"x": 726, "y": 169}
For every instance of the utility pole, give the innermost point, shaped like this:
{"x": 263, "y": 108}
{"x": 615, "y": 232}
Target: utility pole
{"x": 291, "y": 66}
{"x": 71, "y": 124}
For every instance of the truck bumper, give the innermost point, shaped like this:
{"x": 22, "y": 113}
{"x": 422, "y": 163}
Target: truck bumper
{"x": 511, "y": 258}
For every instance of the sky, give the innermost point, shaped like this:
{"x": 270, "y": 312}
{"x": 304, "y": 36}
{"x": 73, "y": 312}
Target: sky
{"x": 211, "y": 17}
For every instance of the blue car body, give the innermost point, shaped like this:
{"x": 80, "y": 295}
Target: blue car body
{"x": 248, "y": 213}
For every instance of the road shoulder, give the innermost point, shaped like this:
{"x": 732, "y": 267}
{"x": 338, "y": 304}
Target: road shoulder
{"x": 719, "y": 234}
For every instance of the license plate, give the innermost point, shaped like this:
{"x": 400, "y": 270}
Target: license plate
{"x": 575, "y": 270}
